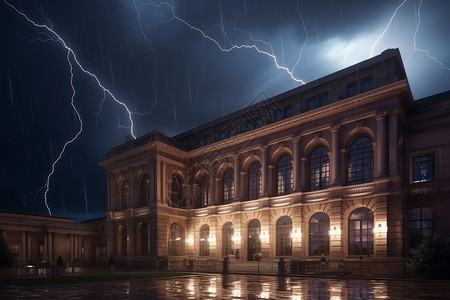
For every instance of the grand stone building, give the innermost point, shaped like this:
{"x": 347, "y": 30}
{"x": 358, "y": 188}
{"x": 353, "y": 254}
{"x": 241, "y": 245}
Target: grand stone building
{"x": 348, "y": 166}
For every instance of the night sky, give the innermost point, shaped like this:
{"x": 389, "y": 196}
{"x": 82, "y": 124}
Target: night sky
{"x": 171, "y": 69}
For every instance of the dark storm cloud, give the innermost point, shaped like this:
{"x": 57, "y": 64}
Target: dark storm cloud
{"x": 160, "y": 65}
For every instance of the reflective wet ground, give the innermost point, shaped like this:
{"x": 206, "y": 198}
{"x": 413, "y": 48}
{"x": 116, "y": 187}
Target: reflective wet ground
{"x": 239, "y": 287}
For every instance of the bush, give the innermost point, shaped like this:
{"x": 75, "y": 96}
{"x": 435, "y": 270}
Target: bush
{"x": 111, "y": 260}
{"x": 59, "y": 261}
{"x": 6, "y": 256}
{"x": 431, "y": 258}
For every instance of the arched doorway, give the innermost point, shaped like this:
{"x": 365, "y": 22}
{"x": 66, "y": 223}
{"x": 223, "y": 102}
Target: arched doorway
{"x": 254, "y": 242}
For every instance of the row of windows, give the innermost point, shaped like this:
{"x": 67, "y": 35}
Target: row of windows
{"x": 360, "y": 170}
{"x": 360, "y": 236}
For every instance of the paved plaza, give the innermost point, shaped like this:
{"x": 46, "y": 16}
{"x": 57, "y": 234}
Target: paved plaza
{"x": 217, "y": 286}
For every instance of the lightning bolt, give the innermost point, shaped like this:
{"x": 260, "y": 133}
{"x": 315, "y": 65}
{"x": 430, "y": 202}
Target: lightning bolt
{"x": 306, "y": 38}
{"x": 424, "y": 50}
{"x": 70, "y": 56}
{"x": 222, "y": 48}
{"x": 386, "y": 28}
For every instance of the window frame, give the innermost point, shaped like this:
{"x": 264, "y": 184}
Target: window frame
{"x": 284, "y": 175}
{"x": 319, "y": 168}
{"x": 357, "y": 161}
{"x": 414, "y": 163}
{"x": 254, "y": 181}
{"x": 228, "y": 186}
{"x": 364, "y": 230}
{"x": 283, "y": 236}
{"x": 320, "y": 237}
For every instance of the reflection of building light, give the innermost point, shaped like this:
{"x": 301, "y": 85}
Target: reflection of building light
{"x": 380, "y": 228}
{"x": 335, "y": 232}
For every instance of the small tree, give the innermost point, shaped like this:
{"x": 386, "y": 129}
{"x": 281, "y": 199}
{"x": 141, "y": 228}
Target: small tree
{"x": 431, "y": 258}
{"x": 6, "y": 256}
{"x": 59, "y": 261}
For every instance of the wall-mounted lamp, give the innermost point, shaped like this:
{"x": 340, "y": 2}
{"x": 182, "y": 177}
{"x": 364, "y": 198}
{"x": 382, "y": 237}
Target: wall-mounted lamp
{"x": 190, "y": 240}
{"x": 212, "y": 239}
{"x": 236, "y": 237}
{"x": 335, "y": 232}
{"x": 264, "y": 237}
{"x": 296, "y": 234}
{"x": 380, "y": 228}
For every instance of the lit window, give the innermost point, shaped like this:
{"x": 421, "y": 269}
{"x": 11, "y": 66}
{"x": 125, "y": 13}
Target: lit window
{"x": 254, "y": 181}
{"x": 319, "y": 168}
{"x": 319, "y": 237}
{"x": 254, "y": 241}
{"x": 423, "y": 168}
{"x": 176, "y": 194}
{"x": 360, "y": 165}
{"x": 284, "y": 175}
{"x": 284, "y": 240}
{"x": 204, "y": 240}
{"x": 228, "y": 186}
{"x": 175, "y": 240}
{"x": 360, "y": 232}
{"x": 204, "y": 191}
{"x": 126, "y": 194}
{"x": 227, "y": 236}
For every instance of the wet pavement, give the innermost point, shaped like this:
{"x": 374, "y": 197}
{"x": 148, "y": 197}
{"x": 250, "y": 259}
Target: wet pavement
{"x": 217, "y": 286}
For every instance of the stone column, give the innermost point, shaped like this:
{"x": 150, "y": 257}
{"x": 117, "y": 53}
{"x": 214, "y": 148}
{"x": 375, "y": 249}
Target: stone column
{"x": 50, "y": 247}
{"x": 45, "y": 254}
{"x": 296, "y": 165}
{"x": 28, "y": 246}
{"x": 344, "y": 167}
{"x": 71, "y": 248}
{"x": 335, "y": 151}
{"x": 381, "y": 148}
{"x": 219, "y": 192}
{"x": 393, "y": 142}
{"x": 23, "y": 250}
{"x": 264, "y": 171}
{"x": 237, "y": 173}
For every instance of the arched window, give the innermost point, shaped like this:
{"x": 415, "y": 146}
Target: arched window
{"x": 204, "y": 240}
{"x": 122, "y": 241}
{"x": 319, "y": 168}
{"x": 284, "y": 175}
{"x": 360, "y": 161}
{"x": 227, "y": 239}
{"x": 176, "y": 193}
{"x": 284, "y": 240}
{"x": 319, "y": 234}
{"x": 204, "y": 191}
{"x": 420, "y": 225}
{"x": 175, "y": 240}
{"x": 360, "y": 232}
{"x": 254, "y": 181}
{"x": 126, "y": 194}
{"x": 142, "y": 239}
{"x": 228, "y": 186}
{"x": 254, "y": 241}
{"x": 145, "y": 191}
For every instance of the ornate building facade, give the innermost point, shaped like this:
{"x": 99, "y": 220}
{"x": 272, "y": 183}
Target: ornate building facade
{"x": 347, "y": 165}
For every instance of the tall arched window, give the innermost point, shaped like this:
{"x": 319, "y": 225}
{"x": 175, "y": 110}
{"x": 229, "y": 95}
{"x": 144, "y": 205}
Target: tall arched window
{"x": 145, "y": 191}
{"x": 126, "y": 194}
{"x": 254, "y": 181}
{"x": 176, "y": 192}
{"x": 360, "y": 232}
{"x": 204, "y": 191}
{"x": 142, "y": 239}
{"x": 319, "y": 169}
{"x": 284, "y": 175}
{"x": 360, "y": 161}
{"x": 254, "y": 241}
{"x": 175, "y": 240}
{"x": 284, "y": 239}
{"x": 319, "y": 234}
{"x": 420, "y": 225}
{"x": 227, "y": 239}
{"x": 228, "y": 186}
{"x": 204, "y": 240}
{"x": 122, "y": 241}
